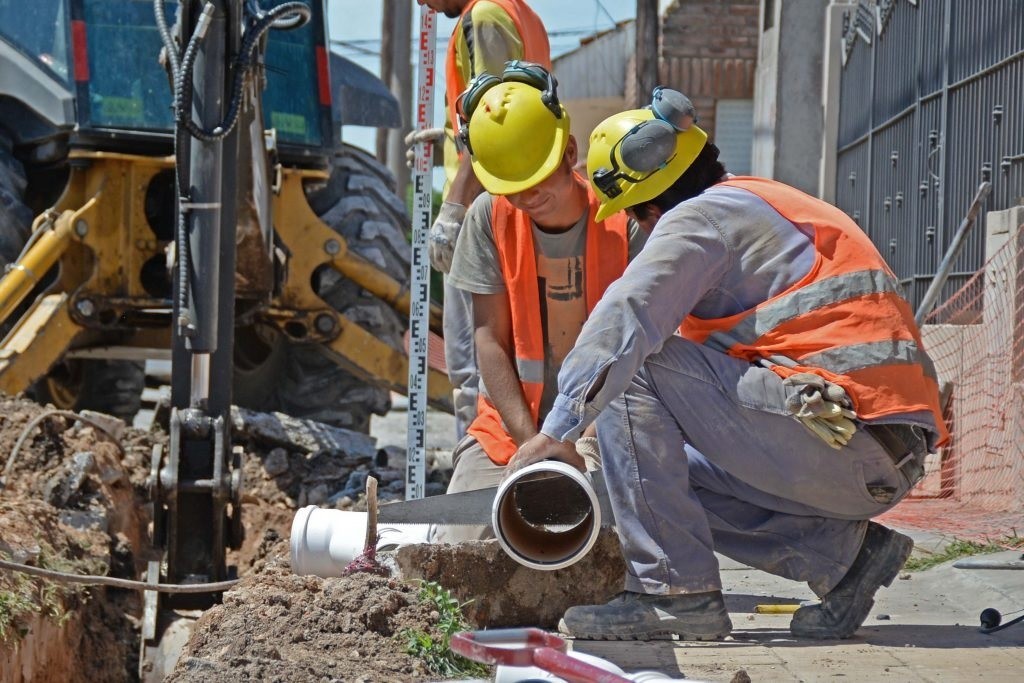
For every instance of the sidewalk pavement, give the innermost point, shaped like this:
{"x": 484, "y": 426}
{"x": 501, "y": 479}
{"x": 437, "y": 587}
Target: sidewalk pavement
{"x": 923, "y": 628}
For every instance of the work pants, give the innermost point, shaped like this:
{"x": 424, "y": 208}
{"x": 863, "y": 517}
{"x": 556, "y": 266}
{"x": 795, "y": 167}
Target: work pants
{"x": 700, "y": 456}
{"x": 460, "y": 355}
{"x": 473, "y": 470}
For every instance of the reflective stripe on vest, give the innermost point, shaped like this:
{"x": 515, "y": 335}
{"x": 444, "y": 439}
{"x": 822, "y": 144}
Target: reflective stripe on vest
{"x": 605, "y": 257}
{"x": 531, "y": 32}
{"x": 845, "y": 320}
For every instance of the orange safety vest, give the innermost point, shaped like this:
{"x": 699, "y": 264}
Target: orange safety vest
{"x": 605, "y": 257}
{"x": 531, "y": 31}
{"x": 845, "y": 320}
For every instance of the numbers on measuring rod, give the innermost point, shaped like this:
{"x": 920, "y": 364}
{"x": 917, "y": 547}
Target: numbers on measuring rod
{"x": 419, "y": 309}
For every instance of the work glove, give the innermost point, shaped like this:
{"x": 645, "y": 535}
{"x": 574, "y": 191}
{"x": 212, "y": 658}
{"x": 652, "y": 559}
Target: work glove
{"x": 431, "y": 135}
{"x": 443, "y": 235}
{"x": 587, "y": 447}
{"x": 823, "y": 407}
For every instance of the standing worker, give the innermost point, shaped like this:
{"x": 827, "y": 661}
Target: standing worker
{"x": 535, "y": 259}
{"x": 794, "y": 403}
{"x": 488, "y": 34}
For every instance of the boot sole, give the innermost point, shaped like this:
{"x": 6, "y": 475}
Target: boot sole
{"x": 665, "y": 634}
{"x": 660, "y": 635}
{"x": 902, "y": 551}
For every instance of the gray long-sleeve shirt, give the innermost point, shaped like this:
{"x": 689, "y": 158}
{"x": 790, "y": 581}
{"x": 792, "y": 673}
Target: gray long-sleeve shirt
{"x": 715, "y": 255}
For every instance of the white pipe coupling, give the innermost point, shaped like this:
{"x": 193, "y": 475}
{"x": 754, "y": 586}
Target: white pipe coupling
{"x": 535, "y": 544}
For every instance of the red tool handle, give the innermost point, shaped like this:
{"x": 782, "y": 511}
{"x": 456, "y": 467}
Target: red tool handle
{"x": 529, "y": 647}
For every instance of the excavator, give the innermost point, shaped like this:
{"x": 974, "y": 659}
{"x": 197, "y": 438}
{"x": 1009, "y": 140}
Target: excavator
{"x": 173, "y": 186}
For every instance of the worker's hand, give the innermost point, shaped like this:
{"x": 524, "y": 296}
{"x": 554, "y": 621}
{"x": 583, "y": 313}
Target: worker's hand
{"x": 823, "y": 407}
{"x": 543, "y": 447}
{"x": 444, "y": 233}
{"x": 431, "y": 135}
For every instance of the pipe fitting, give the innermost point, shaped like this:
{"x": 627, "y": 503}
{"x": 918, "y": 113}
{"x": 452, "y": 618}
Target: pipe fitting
{"x": 530, "y": 535}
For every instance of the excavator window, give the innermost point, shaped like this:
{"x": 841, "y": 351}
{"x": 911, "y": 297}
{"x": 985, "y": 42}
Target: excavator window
{"x": 290, "y": 100}
{"x": 127, "y": 86}
{"x": 39, "y": 30}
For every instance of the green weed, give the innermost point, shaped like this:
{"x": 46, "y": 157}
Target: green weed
{"x": 16, "y": 602}
{"x": 435, "y": 648}
{"x": 960, "y": 548}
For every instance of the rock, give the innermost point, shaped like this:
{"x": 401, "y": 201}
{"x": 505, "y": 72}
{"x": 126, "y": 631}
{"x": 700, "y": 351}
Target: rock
{"x": 113, "y": 426}
{"x": 317, "y": 495}
{"x": 740, "y": 676}
{"x": 66, "y": 484}
{"x": 500, "y": 592}
{"x": 388, "y": 476}
{"x": 276, "y": 462}
{"x": 396, "y": 486}
{"x": 307, "y": 436}
{"x": 84, "y": 519}
{"x": 435, "y": 489}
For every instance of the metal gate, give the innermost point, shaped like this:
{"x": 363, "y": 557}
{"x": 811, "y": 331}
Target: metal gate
{"x": 931, "y": 104}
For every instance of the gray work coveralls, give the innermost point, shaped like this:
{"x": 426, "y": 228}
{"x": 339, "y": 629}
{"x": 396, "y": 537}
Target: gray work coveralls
{"x": 699, "y": 451}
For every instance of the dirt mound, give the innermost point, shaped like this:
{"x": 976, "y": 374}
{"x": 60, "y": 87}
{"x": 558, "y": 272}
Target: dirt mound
{"x": 76, "y": 501}
{"x": 71, "y": 502}
{"x": 278, "y": 626}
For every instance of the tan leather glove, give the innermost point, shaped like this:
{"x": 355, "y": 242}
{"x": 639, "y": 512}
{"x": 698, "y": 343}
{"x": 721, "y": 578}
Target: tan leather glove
{"x": 431, "y": 135}
{"x": 823, "y": 407}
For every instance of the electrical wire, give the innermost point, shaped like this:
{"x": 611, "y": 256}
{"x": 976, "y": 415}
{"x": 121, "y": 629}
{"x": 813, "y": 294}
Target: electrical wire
{"x": 113, "y": 582}
{"x": 45, "y": 415}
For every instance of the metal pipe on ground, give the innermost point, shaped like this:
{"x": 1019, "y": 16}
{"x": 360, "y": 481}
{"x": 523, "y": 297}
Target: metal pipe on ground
{"x": 939, "y": 281}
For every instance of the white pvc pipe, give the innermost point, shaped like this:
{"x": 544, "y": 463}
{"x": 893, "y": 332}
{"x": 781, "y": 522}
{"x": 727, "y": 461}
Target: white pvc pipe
{"x": 528, "y": 674}
{"x": 324, "y": 541}
{"x": 545, "y": 547}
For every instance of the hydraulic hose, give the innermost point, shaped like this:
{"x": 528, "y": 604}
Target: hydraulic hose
{"x": 166, "y": 39}
{"x": 290, "y": 14}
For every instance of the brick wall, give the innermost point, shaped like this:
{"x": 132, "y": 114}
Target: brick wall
{"x": 709, "y": 52}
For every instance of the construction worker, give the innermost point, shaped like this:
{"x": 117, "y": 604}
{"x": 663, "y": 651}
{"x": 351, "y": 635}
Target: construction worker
{"x": 488, "y": 34}
{"x": 792, "y": 404}
{"x": 533, "y": 256}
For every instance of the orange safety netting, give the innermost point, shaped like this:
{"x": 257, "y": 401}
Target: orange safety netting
{"x": 974, "y": 486}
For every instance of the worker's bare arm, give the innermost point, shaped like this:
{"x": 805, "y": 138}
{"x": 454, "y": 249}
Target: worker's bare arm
{"x": 464, "y": 187}
{"x": 496, "y": 357}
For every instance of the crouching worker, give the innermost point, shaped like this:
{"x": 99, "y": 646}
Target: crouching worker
{"x": 535, "y": 258}
{"x": 794, "y": 403}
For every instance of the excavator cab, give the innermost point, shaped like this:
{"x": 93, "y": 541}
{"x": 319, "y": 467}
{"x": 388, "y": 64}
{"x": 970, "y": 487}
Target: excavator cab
{"x": 104, "y": 54}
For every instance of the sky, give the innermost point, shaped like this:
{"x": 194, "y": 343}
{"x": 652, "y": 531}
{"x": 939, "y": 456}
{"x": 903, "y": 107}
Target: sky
{"x": 356, "y": 24}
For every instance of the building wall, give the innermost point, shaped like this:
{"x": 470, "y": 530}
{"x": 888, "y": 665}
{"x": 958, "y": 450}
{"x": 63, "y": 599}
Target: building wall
{"x": 592, "y": 80}
{"x": 709, "y": 52}
{"x": 788, "y": 91}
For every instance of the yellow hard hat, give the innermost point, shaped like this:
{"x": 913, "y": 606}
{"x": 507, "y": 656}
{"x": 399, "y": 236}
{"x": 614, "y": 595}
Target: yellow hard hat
{"x": 636, "y": 155}
{"x": 514, "y": 138}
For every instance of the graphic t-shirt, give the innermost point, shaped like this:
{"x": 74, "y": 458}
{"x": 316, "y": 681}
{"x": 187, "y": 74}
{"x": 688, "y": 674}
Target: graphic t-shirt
{"x": 560, "y": 279}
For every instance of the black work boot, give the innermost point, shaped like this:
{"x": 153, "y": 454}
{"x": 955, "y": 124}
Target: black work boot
{"x": 638, "y": 616}
{"x": 844, "y": 609}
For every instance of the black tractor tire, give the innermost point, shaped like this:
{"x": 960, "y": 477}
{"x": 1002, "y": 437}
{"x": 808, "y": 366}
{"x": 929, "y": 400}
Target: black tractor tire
{"x": 112, "y": 387}
{"x": 15, "y": 217}
{"x": 358, "y": 201}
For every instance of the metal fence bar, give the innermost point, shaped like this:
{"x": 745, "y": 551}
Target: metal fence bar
{"x": 931, "y": 103}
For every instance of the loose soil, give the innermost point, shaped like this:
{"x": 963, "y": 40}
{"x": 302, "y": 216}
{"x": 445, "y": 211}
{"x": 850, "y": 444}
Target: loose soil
{"x": 76, "y": 502}
{"x": 72, "y": 503}
{"x": 275, "y": 626}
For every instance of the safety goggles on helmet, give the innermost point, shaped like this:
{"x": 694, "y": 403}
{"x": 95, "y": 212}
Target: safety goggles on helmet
{"x": 516, "y": 71}
{"x": 650, "y": 145}
{"x": 636, "y": 155}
